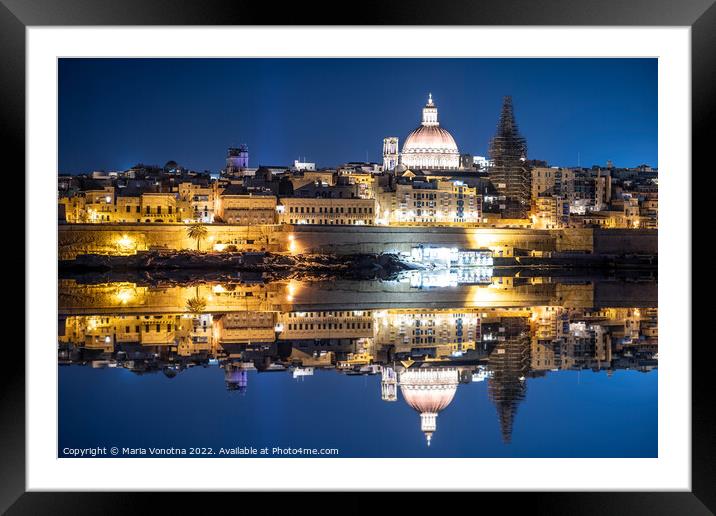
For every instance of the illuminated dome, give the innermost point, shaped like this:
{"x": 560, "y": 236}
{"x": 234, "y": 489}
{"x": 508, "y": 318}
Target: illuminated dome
{"x": 430, "y": 146}
{"x": 429, "y": 391}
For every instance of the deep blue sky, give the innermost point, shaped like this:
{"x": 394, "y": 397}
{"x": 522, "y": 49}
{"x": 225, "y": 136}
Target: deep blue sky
{"x": 564, "y": 414}
{"x": 114, "y": 113}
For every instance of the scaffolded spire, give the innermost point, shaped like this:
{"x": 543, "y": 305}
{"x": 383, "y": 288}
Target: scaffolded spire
{"x": 509, "y": 362}
{"x": 508, "y": 152}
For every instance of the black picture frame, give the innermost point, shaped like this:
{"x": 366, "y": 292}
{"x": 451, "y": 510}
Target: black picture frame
{"x": 700, "y": 15}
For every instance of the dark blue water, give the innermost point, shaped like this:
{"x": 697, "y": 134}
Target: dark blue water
{"x": 563, "y": 414}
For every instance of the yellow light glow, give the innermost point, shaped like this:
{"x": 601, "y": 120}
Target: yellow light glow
{"x": 291, "y": 291}
{"x": 219, "y": 247}
{"x": 218, "y": 289}
{"x": 125, "y": 243}
{"x": 125, "y": 295}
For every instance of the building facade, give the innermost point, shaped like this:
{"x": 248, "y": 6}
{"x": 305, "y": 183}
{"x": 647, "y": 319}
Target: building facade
{"x": 326, "y": 210}
{"x": 247, "y": 209}
{"x": 433, "y": 202}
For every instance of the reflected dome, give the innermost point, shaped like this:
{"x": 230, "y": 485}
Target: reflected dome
{"x": 429, "y": 391}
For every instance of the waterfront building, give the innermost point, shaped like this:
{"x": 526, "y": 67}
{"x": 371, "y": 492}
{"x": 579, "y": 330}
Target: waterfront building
{"x": 155, "y": 207}
{"x": 235, "y": 206}
{"x": 508, "y": 172}
{"x": 326, "y": 210}
{"x": 71, "y": 209}
{"x": 429, "y": 202}
{"x": 429, "y": 146}
{"x": 91, "y": 206}
{"x": 201, "y": 197}
{"x": 104, "y": 206}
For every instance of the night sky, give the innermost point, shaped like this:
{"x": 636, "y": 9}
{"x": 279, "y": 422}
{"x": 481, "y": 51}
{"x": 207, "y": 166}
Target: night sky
{"x": 564, "y": 414}
{"x": 115, "y": 113}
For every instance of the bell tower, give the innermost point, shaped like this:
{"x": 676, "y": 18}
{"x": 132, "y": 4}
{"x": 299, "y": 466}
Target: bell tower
{"x": 390, "y": 153}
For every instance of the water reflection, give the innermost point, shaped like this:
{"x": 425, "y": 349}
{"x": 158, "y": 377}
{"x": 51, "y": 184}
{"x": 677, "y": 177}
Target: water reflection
{"x": 424, "y": 342}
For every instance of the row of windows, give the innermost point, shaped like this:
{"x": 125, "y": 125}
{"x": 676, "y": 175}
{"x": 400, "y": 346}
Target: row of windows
{"x": 330, "y": 326}
{"x": 326, "y": 314}
{"x": 339, "y": 209}
{"x": 326, "y": 221}
{"x": 148, "y": 209}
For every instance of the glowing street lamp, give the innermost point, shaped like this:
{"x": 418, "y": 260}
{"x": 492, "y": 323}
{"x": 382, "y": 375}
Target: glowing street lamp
{"x": 125, "y": 295}
{"x": 292, "y": 244}
{"x": 125, "y": 243}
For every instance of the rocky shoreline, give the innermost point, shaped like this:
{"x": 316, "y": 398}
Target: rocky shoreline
{"x": 356, "y": 266}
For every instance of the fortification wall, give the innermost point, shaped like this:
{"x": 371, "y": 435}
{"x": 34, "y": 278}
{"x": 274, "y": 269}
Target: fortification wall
{"x": 75, "y": 239}
{"x": 626, "y": 241}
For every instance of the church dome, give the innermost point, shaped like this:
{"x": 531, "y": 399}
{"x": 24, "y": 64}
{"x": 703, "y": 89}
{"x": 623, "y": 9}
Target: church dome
{"x": 430, "y": 138}
{"x": 430, "y": 146}
{"x": 429, "y": 391}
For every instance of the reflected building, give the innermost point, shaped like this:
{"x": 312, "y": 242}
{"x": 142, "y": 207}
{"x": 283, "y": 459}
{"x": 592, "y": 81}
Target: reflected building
{"x": 236, "y": 377}
{"x": 388, "y": 384}
{"x": 338, "y": 324}
{"x": 422, "y": 354}
{"x": 436, "y": 333}
{"x": 429, "y": 391}
{"x": 509, "y": 364}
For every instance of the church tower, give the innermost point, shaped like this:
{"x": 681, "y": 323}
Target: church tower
{"x": 237, "y": 160}
{"x": 390, "y": 153}
{"x": 388, "y": 384}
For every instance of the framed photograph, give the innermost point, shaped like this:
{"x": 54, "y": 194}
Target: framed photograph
{"x": 418, "y": 250}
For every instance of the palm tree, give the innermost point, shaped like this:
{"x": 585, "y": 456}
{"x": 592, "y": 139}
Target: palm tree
{"x": 196, "y": 304}
{"x": 197, "y": 231}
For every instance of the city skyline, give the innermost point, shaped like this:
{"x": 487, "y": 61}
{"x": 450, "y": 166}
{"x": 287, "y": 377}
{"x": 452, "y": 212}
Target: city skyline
{"x": 115, "y": 113}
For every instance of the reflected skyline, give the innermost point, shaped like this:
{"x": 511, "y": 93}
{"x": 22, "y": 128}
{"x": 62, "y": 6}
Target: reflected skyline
{"x": 421, "y": 357}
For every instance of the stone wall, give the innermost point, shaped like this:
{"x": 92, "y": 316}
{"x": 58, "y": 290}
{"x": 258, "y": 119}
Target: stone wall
{"x": 131, "y": 298}
{"x": 626, "y": 241}
{"x": 74, "y": 239}
{"x": 377, "y": 239}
